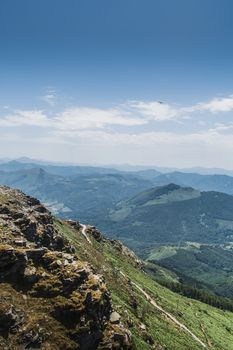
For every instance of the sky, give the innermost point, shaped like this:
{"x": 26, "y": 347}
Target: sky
{"x": 146, "y": 82}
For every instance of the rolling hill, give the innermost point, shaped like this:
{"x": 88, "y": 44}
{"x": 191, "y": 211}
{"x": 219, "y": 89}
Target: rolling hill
{"x": 172, "y": 214}
{"x": 182, "y": 229}
{"x": 218, "y": 182}
{"x": 84, "y": 196}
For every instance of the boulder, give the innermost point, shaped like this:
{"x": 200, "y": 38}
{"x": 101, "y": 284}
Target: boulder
{"x": 115, "y": 317}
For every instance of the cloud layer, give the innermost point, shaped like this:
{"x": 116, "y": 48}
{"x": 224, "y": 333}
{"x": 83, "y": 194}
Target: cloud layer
{"x": 132, "y": 113}
{"x": 152, "y": 132}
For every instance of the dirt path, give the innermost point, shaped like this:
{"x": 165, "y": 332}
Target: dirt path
{"x": 84, "y": 229}
{"x": 152, "y": 301}
{"x": 170, "y": 316}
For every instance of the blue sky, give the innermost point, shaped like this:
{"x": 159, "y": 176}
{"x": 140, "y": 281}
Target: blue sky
{"x": 81, "y": 81}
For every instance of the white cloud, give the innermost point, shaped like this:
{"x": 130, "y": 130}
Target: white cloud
{"x": 72, "y": 119}
{"x": 27, "y": 117}
{"x": 133, "y": 113}
{"x": 222, "y": 128}
{"x": 212, "y": 147}
{"x": 218, "y": 105}
{"x": 215, "y": 105}
{"x": 93, "y": 118}
{"x": 155, "y": 110}
{"x": 159, "y": 111}
{"x": 126, "y": 131}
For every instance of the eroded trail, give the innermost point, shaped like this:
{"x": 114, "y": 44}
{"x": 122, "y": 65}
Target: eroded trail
{"x": 170, "y": 316}
{"x": 84, "y": 229}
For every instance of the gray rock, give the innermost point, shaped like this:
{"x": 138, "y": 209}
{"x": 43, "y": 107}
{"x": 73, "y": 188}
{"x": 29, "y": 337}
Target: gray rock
{"x": 115, "y": 317}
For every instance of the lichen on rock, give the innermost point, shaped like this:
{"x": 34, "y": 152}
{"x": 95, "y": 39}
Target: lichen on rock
{"x": 49, "y": 298}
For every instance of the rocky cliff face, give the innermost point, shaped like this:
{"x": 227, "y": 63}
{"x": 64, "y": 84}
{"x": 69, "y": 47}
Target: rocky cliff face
{"x": 49, "y": 299}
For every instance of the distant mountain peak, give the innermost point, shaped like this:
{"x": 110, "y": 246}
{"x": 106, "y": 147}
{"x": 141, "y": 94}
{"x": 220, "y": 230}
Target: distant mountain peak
{"x": 171, "y": 187}
{"x": 164, "y": 194}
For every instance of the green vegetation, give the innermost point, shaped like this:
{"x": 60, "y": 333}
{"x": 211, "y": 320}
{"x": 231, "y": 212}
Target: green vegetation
{"x": 203, "y": 266}
{"x": 49, "y": 298}
{"x": 172, "y": 214}
{"x": 219, "y": 183}
{"x": 170, "y": 280}
{"x": 213, "y": 326}
{"x": 187, "y": 232}
{"x": 198, "y": 294}
{"x": 84, "y": 196}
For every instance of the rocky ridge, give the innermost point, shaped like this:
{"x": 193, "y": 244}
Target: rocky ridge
{"x": 50, "y": 299}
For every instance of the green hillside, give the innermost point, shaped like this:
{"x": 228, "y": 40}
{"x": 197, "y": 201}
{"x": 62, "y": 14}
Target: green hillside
{"x": 214, "y": 182}
{"x": 172, "y": 214}
{"x": 65, "y": 286}
{"x": 151, "y": 329}
{"x": 205, "y": 266}
{"x": 184, "y": 230}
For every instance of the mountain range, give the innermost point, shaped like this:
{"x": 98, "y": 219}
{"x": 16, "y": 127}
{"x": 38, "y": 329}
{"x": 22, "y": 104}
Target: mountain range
{"x": 83, "y": 196}
{"x": 69, "y": 190}
{"x": 180, "y": 225}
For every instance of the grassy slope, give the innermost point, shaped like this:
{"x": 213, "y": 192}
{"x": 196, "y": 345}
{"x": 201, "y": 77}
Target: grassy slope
{"x": 211, "y": 267}
{"x": 213, "y": 326}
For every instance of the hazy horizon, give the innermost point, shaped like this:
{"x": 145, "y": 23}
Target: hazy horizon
{"x": 125, "y": 166}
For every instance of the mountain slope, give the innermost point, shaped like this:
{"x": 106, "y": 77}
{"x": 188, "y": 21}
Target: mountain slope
{"x": 209, "y": 267}
{"x": 218, "y": 182}
{"x": 182, "y": 229}
{"x": 50, "y": 299}
{"x": 53, "y": 295}
{"x": 83, "y": 196}
{"x": 135, "y": 293}
{"x": 172, "y": 214}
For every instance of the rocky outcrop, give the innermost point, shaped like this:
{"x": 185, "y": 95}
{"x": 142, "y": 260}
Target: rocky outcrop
{"x": 49, "y": 298}
{"x": 125, "y": 251}
{"x": 96, "y": 234}
{"x": 27, "y": 223}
